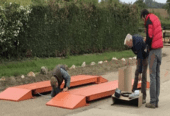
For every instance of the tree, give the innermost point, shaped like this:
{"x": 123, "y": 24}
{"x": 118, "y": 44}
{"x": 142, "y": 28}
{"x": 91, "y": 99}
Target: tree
{"x": 140, "y": 3}
{"x": 153, "y": 4}
{"x": 168, "y": 6}
{"x": 110, "y": 0}
{"x": 149, "y": 2}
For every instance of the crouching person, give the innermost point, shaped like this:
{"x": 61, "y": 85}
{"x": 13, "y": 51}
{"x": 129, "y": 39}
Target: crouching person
{"x": 59, "y": 75}
{"x": 137, "y": 45}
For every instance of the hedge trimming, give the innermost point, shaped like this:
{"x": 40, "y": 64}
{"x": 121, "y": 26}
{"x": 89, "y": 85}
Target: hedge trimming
{"x": 75, "y": 28}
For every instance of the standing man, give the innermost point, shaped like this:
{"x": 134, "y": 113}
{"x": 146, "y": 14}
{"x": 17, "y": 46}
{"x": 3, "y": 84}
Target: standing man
{"x": 59, "y": 74}
{"x": 154, "y": 45}
{"x": 137, "y": 44}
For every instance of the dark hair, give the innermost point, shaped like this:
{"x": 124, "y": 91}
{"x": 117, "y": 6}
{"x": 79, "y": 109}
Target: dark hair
{"x": 144, "y": 13}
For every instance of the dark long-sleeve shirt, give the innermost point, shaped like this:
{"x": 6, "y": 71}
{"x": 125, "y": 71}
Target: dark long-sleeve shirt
{"x": 139, "y": 48}
{"x": 61, "y": 74}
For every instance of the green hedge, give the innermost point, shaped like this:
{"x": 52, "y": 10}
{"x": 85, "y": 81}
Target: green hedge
{"x": 165, "y": 24}
{"x": 76, "y": 28}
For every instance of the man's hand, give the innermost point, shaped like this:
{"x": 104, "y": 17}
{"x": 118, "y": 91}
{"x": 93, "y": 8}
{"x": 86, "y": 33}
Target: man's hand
{"x": 65, "y": 89}
{"x": 139, "y": 77}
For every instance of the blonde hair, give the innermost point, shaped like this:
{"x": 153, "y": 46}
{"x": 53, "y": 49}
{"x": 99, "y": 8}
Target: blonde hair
{"x": 53, "y": 81}
{"x": 128, "y": 38}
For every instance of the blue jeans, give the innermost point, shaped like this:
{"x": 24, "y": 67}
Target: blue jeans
{"x": 144, "y": 77}
{"x": 55, "y": 91}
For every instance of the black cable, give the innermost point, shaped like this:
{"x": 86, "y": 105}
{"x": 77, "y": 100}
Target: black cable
{"x": 46, "y": 97}
{"x": 125, "y": 94}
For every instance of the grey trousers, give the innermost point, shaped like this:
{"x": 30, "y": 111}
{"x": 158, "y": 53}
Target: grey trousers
{"x": 155, "y": 57}
{"x": 144, "y": 76}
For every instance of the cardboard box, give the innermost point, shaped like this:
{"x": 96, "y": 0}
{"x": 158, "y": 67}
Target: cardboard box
{"x": 136, "y": 101}
{"x": 125, "y": 79}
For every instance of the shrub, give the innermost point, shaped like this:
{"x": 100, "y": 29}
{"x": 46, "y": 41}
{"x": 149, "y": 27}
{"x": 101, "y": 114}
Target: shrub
{"x": 67, "y": 28}
{"x": 13, "y": 17}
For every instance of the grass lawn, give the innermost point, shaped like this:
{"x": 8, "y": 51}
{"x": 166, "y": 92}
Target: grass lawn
{"x": 16, "y": 68}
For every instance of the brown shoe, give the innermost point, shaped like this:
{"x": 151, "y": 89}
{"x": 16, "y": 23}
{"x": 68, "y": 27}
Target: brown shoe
{"x": 149, "y": 105}
{"x": 143, "y": 101}
{"x": 156, "y": 105}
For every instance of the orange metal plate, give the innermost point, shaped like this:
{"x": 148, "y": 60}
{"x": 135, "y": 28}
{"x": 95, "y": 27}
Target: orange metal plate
{"x": 101, "y": 80}
{"x": 96, "y": 91}
{"x": 16, "y": 94}
{"x": 45, "y": 86}
{"x": 147, "y": 85}
{"x": 67, "y": 100}
{"x": 77, "y": 98}
{"x": 41, "y": 87}
{"x": 38, "y": 87}
{"x": 81, "y": 80}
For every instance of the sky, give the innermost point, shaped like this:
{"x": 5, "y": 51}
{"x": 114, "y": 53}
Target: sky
{"x": 132, "y": 1}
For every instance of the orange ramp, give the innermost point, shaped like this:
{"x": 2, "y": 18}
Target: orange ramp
{"x": 147, "y": 85}
{"x": 41, "y": 87}
{"x": 96, "y": 91}
{"x": 75, "y": 98}
{"x": 85, "y": 79}
{"x": 67, "y": 100}
{"x": 38, "y": 87}
{"x": 16, "y": 94}
{"x": 93, "y": 92}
